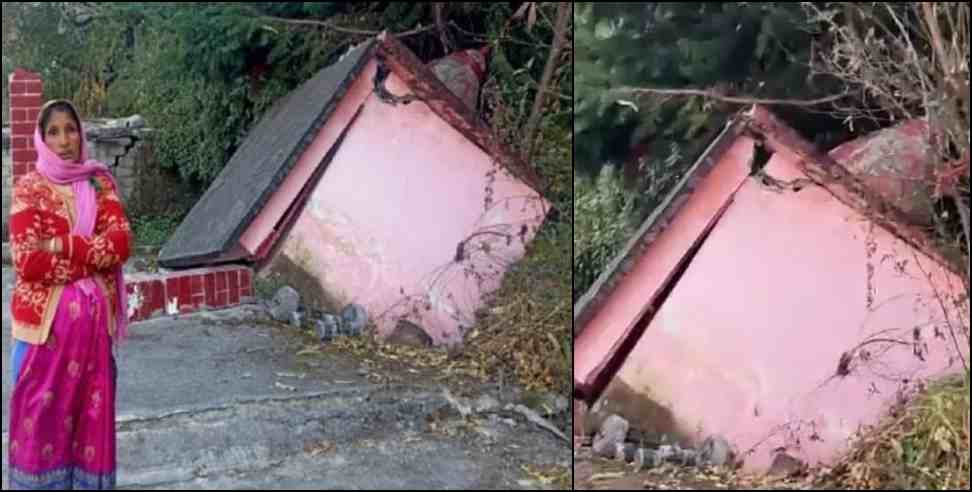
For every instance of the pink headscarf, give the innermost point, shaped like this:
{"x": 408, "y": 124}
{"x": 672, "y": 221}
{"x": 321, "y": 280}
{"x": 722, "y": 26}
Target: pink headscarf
{"x": 79, "y": 176}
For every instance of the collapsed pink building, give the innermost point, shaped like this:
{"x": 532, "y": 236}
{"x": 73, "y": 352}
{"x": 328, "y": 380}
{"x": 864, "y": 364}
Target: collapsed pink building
{"x": 773, "y": 299}
{"x": 372, "y": 184}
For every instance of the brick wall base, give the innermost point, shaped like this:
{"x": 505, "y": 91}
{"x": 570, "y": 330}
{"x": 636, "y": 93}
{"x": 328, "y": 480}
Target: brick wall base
{"x": 188, "y": 291}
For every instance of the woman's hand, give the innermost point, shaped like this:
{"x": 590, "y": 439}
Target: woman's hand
{"x": 52, "y": 246}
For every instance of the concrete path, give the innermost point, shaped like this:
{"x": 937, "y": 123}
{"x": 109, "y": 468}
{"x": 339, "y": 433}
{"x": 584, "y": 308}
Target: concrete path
{"x": 229, "y": 401}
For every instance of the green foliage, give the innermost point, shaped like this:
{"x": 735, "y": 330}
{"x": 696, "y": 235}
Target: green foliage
{"x": 751, "y": 49}
{"x": 153, "y": 231}
{"x": 757, "y": 49}
{"x": 604, "y": 218}
{"x": 266, "y": 287}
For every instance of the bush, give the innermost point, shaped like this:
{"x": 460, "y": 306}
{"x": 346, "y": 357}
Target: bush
{"x": 604, "y": 217}
{"x": 153, "y": 231}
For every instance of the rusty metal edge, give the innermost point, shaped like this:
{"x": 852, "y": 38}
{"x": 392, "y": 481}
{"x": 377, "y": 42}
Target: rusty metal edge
{"x": 420, "y": 78}
{"x": 842, "y": 185}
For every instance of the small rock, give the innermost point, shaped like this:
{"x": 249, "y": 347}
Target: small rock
{"x": 328, "y": 327}
{"x": 561, "y": 404}
{"x": 285, "y": 303}
{"x": 715, "y": 452}
{"x": 135, "y": 121}
{"x": 409, "y": 334}
{"x": 785, "y": 466}
{"x": 625, "y": 452}
{"x": 613, "y": 431}
{"x": 354, "y": 319}
{"x": 547, "y": 404}
{"x": 646, "y": 458}
{"x": 486, "y": 404}
{"x": 296, "y": 320}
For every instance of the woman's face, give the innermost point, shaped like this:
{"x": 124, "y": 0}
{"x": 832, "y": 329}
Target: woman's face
{"x": 63, "y": 136}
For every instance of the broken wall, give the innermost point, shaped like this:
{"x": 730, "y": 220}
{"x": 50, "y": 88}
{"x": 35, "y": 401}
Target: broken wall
{"x": 410, "y": 220}
{"x": 790, "y": 282}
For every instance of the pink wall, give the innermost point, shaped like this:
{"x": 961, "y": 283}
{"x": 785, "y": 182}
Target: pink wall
{"x": 747, "y": 342}
{"x": 607, "y": 328}
{"x": 262, "y": 227}
{"x": 402, "y": 192}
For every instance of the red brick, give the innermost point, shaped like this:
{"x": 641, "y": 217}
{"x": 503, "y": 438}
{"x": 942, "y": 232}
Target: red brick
{"x": 146, "y": 289}
{"x": 210, "y": 287}
{"x": 234, "y": 296}
{"x": 246, "y": 293}
{"x": 198, "y": 295}
{"x": 18, "y": 116}
{"x": 197, "y": 284}
{"x": 18, "y": 87}
{"x": 21, "y": 74}
{"x": 32, "y": 115}
{"x": 31, "y": 101}
{"x": 35, "y": 87}
{"x": 23, "y": 155}
{"x": 19, "y": 143}
{"x": 185, "y": 290}
{"x": 22, "y": 129}
{"x": 221, "y": 282}
{"x": 246, "y": 279}
{"x": 221, "y": 299}
{"x": 19, "y": 169}
{"x": 233, "y": 279}
{"x": 158, "y": 297}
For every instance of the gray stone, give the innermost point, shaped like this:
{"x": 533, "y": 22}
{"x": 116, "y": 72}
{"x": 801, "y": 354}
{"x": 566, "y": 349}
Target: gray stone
{"x": 328, "y": 327}
{"x": 626, "y": 452}
{"x": 409, "y": 334}
{"x": 135, "y": 121}
{"x": 785, "y": 466}
{"x": 613, "y": 431}
{"x": 285, "y": 303}
{"x": 354, "y": 319}
{"x": 486, "y": 403}
{"x": 715, "y": 451}
{"x": 296, "y": 320}
{"x": 561, "y": 404}
{"x": 646, "y": 458}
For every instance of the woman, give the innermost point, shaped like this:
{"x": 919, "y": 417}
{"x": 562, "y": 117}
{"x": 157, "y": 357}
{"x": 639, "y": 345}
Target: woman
{"x": 69, "y": 238}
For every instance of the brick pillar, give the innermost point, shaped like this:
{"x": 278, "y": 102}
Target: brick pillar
{"x": 26, "y": 90}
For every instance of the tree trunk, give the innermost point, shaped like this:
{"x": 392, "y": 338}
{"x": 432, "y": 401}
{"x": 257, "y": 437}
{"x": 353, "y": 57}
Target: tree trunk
{"x": 560, "y": 37}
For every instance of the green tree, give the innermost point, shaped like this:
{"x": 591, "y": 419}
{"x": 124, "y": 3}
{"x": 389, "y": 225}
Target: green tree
{"x": 744, "y": 48}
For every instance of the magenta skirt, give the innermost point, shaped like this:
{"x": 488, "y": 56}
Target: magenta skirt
{"x": 62, "y": 410}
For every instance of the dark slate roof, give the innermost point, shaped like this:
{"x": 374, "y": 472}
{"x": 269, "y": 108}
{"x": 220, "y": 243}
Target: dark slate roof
{"x": 261, "y": 164}
{"x": 654, "y": 226}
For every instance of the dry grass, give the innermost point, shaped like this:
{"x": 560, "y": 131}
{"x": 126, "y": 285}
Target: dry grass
{"x": 924, "y": 446}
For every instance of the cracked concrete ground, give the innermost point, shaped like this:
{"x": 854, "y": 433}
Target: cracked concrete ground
{"x": 224, "y": 401}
